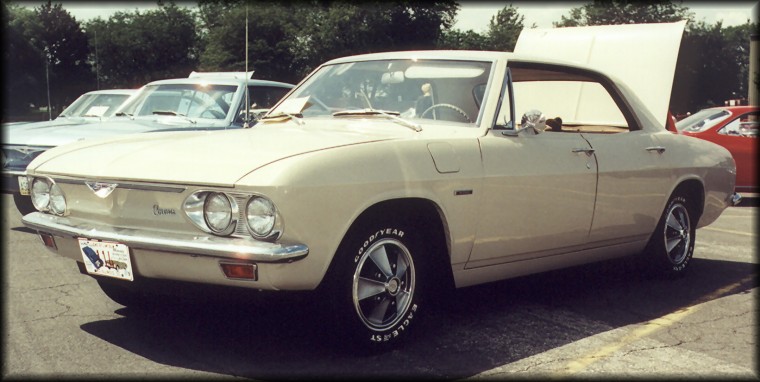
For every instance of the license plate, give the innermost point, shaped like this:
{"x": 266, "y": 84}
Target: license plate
{"x": 23, "y": 185}
{"x": 106, "y": 258}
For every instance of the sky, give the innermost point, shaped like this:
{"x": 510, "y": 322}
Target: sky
{"x": 473, "y": 15}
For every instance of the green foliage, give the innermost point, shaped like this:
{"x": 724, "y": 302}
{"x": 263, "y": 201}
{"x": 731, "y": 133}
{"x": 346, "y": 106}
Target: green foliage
{"x": 271, "y": 39}
{"x": 24, "y": 69}
{"x": 713, "y": 66}
{"x": 289, "y": 39}
{"x": 469, "y": 40}
{"x": 614, "y": 12}
{"x": 133, "y": 48}
{"x": 56, "y": 37}
{"x": 504, "y": 29}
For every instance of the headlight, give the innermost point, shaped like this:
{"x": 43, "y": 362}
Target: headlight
{"x": 260, "y": 216}
{"x": 41, "y": 193}
{"x": 217, "y": 211}
{"x": 57, "y": 200}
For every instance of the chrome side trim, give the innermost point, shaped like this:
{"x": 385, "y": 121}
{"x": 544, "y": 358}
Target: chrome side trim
{"x": 129, "y": 186}
{"x": 15, "y": 173}
{"x": 211, "y": 246}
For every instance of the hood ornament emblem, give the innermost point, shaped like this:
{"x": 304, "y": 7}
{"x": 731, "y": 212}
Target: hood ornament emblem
{"x": 100, "y": 189}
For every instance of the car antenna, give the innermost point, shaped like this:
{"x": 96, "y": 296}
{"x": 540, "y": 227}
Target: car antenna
{"x": 247, "y": 95}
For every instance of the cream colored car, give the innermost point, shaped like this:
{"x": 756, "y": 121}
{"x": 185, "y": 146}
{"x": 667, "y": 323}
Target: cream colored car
{"x": 383, "y": 178}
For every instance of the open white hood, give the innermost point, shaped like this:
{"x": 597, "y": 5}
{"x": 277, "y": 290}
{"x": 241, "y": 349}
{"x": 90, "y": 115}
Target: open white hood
{"x": 643, "y": 56}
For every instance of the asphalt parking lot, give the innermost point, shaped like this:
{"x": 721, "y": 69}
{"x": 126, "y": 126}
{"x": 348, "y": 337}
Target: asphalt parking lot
{"x": 599, "y": 320}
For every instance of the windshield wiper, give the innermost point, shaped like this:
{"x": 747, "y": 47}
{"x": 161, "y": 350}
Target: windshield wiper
{"x": 394, "y": 115}
{"x": 167, "y": 112}
{"x": 297, "y": 118}
{"x": 122, "y": 114}
{"x": 174, "y": 114}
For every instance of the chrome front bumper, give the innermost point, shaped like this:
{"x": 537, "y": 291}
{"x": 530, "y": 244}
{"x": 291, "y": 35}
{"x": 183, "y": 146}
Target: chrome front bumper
{"x": 220, "y": 247}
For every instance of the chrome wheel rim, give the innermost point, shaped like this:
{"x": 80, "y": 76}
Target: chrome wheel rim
{"x": 677, "y": 234}
{"x": 383, "y": 284}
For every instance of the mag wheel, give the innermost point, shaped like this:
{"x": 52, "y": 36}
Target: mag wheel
{"x": 379, "y": 284}
{"x": 672, "y": 244}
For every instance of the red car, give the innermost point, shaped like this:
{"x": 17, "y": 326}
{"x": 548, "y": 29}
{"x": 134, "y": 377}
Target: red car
{"x": 735, "y": 128}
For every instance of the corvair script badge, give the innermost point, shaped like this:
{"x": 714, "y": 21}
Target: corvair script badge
{"x": 163, "y": 211}
{"x": 101, "y": 190}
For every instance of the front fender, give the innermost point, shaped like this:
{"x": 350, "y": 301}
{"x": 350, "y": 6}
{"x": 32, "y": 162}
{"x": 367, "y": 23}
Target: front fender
{"x": 321, "y": 194}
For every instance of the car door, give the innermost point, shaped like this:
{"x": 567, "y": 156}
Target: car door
{"x": 538, "y": 196}
{"x": 634, "y": 181}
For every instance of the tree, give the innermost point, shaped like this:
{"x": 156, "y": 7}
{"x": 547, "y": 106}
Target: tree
{"x": 271, "y": 39}
{"x": 63, "y": 46}
{"x": 503, "y": 31}
{"x": 24, "y": 65}
{"x": 288, "y": 39}
{"x": 713, "y": 66}
{"x": 335, "y": 29}
{"x": 135, "y": 48}
{"x": 469, "y": 40}
{"x": 505, "y": 28}
{"x": 613, "y": 12}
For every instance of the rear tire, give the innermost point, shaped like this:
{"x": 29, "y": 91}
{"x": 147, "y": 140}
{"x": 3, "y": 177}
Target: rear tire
{"x": 671, "y": 247}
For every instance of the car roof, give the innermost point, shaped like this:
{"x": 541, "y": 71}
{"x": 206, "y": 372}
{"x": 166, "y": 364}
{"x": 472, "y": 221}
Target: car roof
{"x": 113, "y": 91}
{"x": 220, "y": 81}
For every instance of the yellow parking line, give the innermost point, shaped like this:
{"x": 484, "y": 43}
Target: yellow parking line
{"x": 751, "y": 234}
{"x": 646, "y": 329}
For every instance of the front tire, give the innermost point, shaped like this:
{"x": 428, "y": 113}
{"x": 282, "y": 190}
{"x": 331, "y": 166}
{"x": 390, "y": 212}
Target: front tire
{"x": 671, "y": 246}
{"x": 379, "y": 284}
{"x": 23, "y": 204}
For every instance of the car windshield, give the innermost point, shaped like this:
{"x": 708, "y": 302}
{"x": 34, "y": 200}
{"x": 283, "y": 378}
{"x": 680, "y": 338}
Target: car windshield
{"x": 413, "y": 89}
{"x": 94, "y": 105}
{"x": 187, "y": 100}
{"x": 702, "y": 120}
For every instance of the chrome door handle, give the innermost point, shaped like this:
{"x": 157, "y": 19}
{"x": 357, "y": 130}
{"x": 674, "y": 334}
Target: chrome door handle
{"x": 659, "y": 149}
{"x": 588, "y": 152}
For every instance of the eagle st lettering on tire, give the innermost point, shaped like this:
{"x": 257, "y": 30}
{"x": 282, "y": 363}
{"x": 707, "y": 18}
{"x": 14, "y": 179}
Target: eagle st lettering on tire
{"x": 377, "y": 290}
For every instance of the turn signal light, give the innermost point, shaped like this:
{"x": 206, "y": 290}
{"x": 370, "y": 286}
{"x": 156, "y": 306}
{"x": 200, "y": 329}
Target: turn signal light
{"x": 239, "y": 271}
{"x": 48, "y": 240}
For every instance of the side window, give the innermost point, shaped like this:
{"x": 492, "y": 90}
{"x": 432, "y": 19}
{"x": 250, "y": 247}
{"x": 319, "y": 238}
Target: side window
{"x": 746, "y": 126}
{"x": 264, "y": 97}
{"x": 568, "y": 99}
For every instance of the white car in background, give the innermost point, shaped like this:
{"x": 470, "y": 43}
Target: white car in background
{"x": 203, "y": 101}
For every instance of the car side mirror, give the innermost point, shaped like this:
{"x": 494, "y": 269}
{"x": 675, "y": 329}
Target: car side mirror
{"x": 533, "y": 121}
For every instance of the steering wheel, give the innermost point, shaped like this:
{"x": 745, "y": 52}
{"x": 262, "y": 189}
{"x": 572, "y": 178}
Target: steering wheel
{"x": 449, "y": 106}
{"x": 215, "y": 114}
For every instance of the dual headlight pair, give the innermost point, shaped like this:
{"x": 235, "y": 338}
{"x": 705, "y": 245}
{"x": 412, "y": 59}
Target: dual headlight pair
{"x": 213, "y": 212}
{"x": 220, "y": 213}
{"x": 47, "y": 196}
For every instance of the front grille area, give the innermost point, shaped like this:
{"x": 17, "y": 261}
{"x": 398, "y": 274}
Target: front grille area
{"x": 241, "y": 230}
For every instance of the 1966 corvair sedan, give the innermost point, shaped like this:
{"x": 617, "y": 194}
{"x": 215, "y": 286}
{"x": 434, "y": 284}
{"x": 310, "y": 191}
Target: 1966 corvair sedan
{"x": 383, "y": 178}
